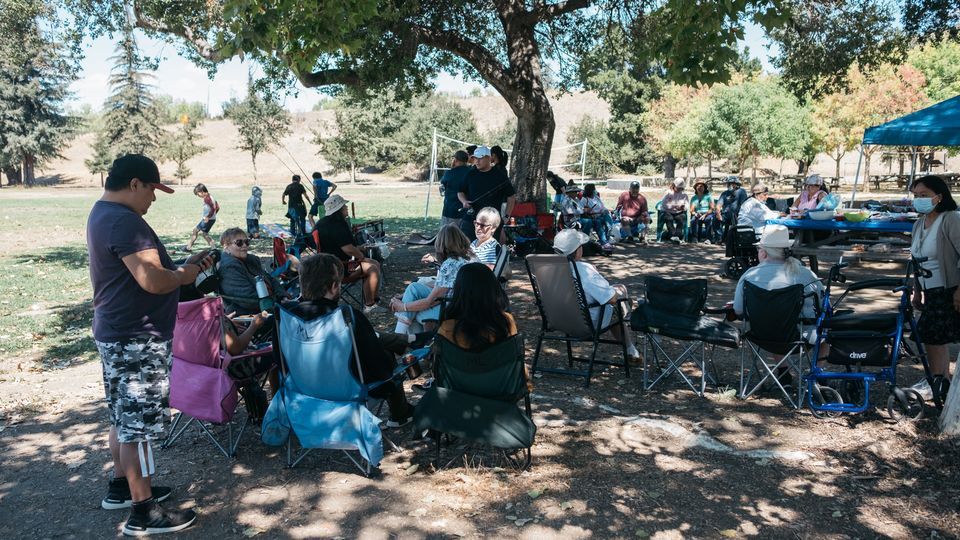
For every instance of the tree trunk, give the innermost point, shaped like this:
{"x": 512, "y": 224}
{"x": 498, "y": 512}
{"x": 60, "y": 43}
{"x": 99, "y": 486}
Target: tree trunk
{"x": 253, "y": 159}
{"x": 867, "y": 152}
{"x": 837, "y": 171}
{"x": 13, "y": 176}
{"x": 101, "y": 179}
{"x": 669, "y": 166}
{"x": 531, "y": 149}
{"x": 709, "y": 169}
{"x": 29, "y": 174}
{"x": 753, "y": 170}
{"x": 353, "y": 172}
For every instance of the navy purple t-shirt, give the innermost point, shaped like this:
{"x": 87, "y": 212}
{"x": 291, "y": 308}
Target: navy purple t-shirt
{"x": 121, "y": 308}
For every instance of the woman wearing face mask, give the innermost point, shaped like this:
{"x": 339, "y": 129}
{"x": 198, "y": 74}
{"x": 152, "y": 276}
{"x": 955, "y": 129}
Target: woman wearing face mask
{"x": 936, "y": 237}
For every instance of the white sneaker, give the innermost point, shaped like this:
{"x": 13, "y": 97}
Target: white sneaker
{"x": 923, "y": 387}
{"x": 374, "y": 309}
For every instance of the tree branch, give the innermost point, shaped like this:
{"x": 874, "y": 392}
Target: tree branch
{"x": 201, "y": 45}
{"x": 480, "y": 58}
{"x": 327, "y": 77}
{"x": 548, "y": 12}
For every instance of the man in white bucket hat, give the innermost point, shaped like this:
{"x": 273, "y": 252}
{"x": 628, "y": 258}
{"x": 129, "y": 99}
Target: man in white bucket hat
{"x": 777, "y": 269}
{"x": 597, "y": 289}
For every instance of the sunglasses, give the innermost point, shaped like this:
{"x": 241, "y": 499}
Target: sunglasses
{"x": 241, "y": 242}
{"x": 483, "y": 226}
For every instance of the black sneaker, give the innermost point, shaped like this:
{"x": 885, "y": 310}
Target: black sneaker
{"x": 118, "y": 494}
{"x": 148, "y": 518}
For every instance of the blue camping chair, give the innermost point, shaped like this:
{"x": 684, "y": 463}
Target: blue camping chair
{"x": 319, "y": 400}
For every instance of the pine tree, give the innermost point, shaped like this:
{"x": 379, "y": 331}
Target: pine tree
{"x": 102, "y": 156}
{"x": 35, "y": 73}
{"x": 181, "y": 146}
{"x": 261, "y": 123}
{"x": 131, "y": 121}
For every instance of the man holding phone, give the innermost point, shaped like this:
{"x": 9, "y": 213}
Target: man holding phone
{"x": 136, "y": 287}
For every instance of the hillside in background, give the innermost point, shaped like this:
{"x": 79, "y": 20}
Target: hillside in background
{"x": 224, "y": 164}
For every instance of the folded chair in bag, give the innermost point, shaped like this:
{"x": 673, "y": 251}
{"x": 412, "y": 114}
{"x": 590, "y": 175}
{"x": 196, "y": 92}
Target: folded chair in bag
{"x": 199, "y": 385}
{"x": 320, "y": 401}
{"x": 675, "y": 309}
{"x": 476, "y": 397}
{"x": 565, "y": 314}
{"x": 773, "y": 324}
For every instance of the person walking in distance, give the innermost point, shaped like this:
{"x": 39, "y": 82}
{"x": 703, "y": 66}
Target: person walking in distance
{"x": 136, "y": 287}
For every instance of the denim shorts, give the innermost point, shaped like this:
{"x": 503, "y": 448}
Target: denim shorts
{"x": 205, "y": 226}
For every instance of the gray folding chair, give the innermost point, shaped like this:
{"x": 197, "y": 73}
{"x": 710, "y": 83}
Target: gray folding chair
{"x": 565, "y": 314}
{"x": 503, "y": 262}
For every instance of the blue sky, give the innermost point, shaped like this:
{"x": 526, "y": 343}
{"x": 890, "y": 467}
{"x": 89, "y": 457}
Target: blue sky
{"x": 181, "y": 79}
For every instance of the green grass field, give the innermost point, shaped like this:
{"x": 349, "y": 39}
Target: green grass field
{"x": 45, "y": 309}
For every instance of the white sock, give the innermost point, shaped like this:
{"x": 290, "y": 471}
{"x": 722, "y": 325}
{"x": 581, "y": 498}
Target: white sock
{"x": 632, "y": 350}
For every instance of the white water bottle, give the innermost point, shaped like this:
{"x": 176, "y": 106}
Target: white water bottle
{"x": 266, "y": 302}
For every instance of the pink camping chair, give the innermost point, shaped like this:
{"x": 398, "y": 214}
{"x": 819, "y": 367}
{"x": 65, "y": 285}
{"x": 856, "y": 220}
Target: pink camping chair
{"x": 199, "y": 385}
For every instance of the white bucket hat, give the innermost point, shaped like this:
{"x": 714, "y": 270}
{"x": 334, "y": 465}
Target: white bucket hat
{"x": 679, "y": 183}
{"x": 568, "y": 240}
{"x": 775, "y": 236}
{"x": 333, "y": 204}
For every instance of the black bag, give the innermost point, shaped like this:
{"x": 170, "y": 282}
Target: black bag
{"x": 859, "y": 349}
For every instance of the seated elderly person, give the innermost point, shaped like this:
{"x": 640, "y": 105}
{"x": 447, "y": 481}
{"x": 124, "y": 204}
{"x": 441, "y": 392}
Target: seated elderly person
{"x": 570, "y": 207}
{"x": 570, "y": 242}
{"x": 633, "y": 212}
{"x": 596, "y": 217}
{"x": 777, "y": 269}
{"x": 337, "y": 239}
{"x": 673, "y": 211}
{"x": 321, "y": 277}
{"x": 811, "y": 195}
{"x": 419, "y": 307}
{"x": 239, "y": 270}
{"x": 486, "y": 247}
{"x": 754, "y": 211}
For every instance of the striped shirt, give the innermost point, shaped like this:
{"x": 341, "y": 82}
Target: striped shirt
{"x": 487, "y": 252}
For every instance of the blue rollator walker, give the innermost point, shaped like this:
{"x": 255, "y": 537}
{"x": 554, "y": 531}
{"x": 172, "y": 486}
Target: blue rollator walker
{"x": 867, "y": 340}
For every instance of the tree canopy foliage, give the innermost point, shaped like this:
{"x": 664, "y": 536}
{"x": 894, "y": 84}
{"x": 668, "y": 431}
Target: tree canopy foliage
{"x": 939, "y": 61}
{"x": 131, "y": 121}
{"x": 37, "y": 65}
{"x": 506, "y": 43}
{"x": 181, "y": 146}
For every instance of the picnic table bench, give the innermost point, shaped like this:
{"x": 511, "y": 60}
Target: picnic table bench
{"x": 807, "y": 243}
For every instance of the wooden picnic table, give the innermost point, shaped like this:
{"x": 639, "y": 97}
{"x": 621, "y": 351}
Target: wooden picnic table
{"x": 810, "y": 242}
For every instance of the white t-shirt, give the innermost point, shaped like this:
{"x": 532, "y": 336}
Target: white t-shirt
{"x": 925, "y": 245}
{"x": 773, "y": 275}
{"x": 597, "y": 289}
{"x": 755, "y": 214}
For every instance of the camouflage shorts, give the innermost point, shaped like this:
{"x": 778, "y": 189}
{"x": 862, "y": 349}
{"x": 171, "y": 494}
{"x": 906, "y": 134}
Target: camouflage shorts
{"x": 136, "y": 378}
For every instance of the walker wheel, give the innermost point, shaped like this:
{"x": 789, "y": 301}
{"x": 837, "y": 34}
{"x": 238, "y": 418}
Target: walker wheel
{"x": 905, "y": 404}
{"x": 823, "y": 395}
{"x": 734, "y": 267}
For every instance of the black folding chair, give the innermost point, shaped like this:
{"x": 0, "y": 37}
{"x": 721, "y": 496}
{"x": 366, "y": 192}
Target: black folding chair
{"x": 565, "y": 314}
{"x": 675, "y": 308}
{"x": 773, "y": 323}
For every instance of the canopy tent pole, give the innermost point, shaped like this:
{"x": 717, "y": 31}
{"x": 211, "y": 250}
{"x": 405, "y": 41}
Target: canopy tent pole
{"x": 856, "y": 178}
{"x": 913, "y": 165}
{"x": 433, "y": 172}
{"x": 583, "y": 162}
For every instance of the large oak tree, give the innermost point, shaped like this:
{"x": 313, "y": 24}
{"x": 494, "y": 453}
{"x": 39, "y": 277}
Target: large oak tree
{"x": 508, "y": 44}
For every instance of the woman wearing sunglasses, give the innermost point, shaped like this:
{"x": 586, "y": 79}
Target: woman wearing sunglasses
{"x": 238, "y": 275}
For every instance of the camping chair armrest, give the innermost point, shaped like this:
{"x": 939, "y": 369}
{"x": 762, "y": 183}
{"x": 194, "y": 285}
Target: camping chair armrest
{"x": 718, "y": 311}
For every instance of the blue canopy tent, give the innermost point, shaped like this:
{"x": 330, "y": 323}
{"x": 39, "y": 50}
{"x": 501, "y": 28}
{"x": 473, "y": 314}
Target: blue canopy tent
{"x": 937, "y": 125}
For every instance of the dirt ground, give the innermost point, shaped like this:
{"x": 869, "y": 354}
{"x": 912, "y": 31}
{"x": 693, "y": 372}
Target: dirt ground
{"x": 609, "y": 461}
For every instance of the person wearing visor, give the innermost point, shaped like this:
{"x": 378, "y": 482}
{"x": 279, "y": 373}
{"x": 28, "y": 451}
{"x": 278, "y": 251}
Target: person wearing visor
{"x": 569, "y": 242}
{"x": 936, "y": 238}
{"x": 754, "y": 211}
{"x": 811, "y": 195}
{"x": 729, "y": 204}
